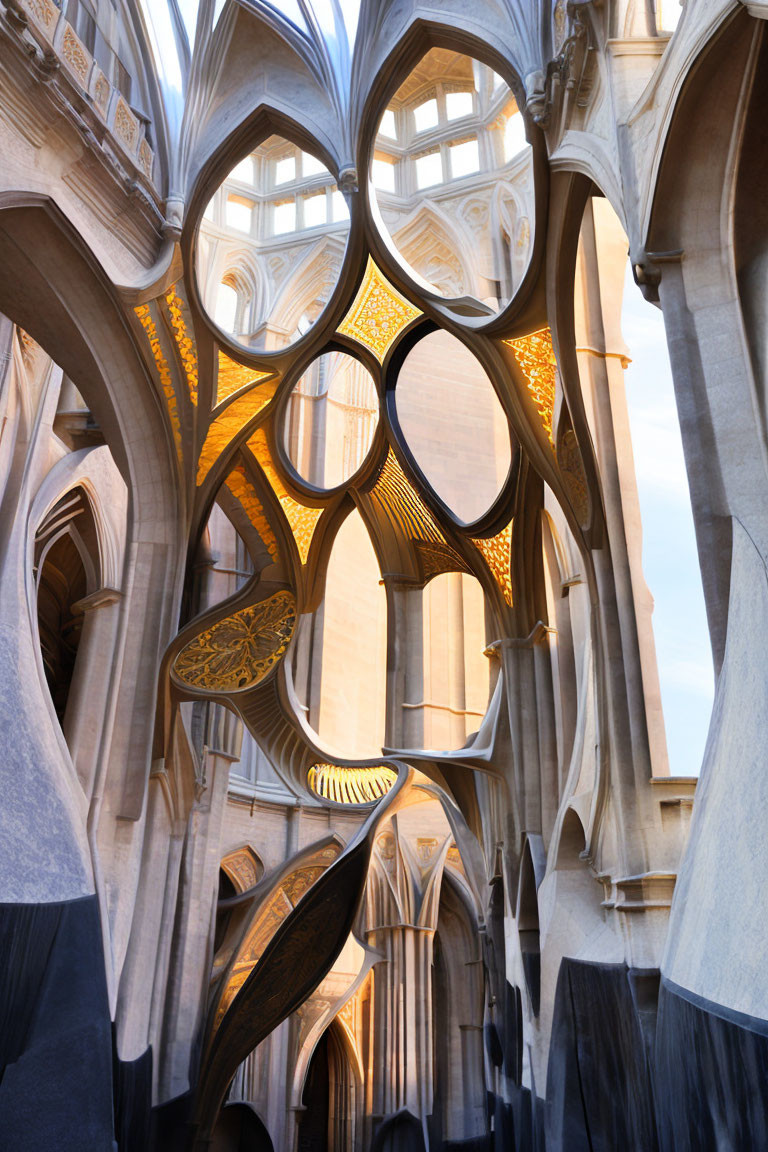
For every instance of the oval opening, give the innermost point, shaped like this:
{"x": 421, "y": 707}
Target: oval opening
{"x": 270, "y": 246}
{"x": 340, "y": 654}
{"x": 453, "y": 424}
{"x": 330, "y": 420}
{"x": 452, "y": 178}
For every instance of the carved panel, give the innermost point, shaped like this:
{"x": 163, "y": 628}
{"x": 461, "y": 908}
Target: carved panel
{"x": 126, "y": 126}
{"x": 240, "y": 650}
{"x": 378, "y": 314}
{"x": 75, "y": 55}
{"x": 45, "y": 15}
{"x": 574, "y": 479}
{"x": 243, "y": 868}
{"x": 226, "y": 426}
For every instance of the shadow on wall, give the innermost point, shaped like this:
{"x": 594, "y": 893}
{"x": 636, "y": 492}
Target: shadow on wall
{"x": 239, "y": 1129}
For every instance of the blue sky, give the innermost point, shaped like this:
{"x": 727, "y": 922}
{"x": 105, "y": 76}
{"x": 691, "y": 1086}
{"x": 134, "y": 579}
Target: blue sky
{"x": 670, "y": 560}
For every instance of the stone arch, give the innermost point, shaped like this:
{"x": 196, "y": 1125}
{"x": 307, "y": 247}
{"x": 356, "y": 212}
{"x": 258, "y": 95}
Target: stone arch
{"x": 239, "y": 1128}
{"x": 428, "y": 234}
{"x": 458, "y": 994}
{"x": 304, "y": 288}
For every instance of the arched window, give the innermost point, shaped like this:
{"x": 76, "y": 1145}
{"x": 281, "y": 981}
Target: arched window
{"x": 67, "y": 570}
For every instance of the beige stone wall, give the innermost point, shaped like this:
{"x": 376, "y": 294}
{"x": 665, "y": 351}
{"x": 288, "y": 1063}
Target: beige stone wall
{"x": 453, "y": 424}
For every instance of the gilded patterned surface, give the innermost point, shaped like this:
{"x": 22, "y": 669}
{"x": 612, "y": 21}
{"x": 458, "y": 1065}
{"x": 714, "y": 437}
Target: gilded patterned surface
{"x": 244, "y": 492}
{"x": 536, "y": 357}
{"x": 302, "y": 519}
{"x": 275, "y": 909}
{"x": 497, "y": 553}
{"x": 226, "y": 426}
{"x": 243, "y": 868}
{"x": 177, "y": 311}
{"x": 394, "y": 496}
{"x": 345, "y": 785}
{"x": 378, "y": 314}
{"x": 240, "y": 650}
{"x": 163, "y": 371}
{"x": 572, "y": 469}
{"x": 231, "y": 377}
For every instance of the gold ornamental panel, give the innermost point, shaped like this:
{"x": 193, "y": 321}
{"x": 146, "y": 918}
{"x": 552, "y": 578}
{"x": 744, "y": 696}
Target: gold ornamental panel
{"x": 231, "y": 421}
{"x": 497, "y": 553}
{"x": 243, "y": 867}
{"x": 231, "y": 377}
{"x": 239, "y": 651}
{"x": 378, "y": 315}
{"x": 144, "y": 316}
{"x": 279, "y": 904}
{"x": 243, "y": 491}
{"x": 181, "y": 327}
{"x": 301, "y": 518}
{"x": 536, "y": 357}
{"x": 344, "y": 785}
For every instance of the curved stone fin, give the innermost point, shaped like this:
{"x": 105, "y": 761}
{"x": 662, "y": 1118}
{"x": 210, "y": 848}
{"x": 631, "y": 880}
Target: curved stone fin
{"x": 297, "y": 958}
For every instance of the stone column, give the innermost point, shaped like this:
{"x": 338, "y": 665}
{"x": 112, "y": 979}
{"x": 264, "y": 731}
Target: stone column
{"x": 87, "y": 704}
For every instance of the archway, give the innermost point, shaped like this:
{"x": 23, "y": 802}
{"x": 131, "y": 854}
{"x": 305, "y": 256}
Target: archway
{"x": 330, "y": 1097}
{"x": 239, "y": 1129}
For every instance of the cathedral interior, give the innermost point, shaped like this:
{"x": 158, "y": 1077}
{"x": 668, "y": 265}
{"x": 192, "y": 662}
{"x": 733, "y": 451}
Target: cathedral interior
{"x": 338, "y": 807}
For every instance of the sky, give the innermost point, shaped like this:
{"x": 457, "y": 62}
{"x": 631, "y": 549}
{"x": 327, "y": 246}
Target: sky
{"x": 670, "y": 560}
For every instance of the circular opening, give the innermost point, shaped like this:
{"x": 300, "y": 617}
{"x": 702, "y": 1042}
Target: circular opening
{"x": 330, "y": 420}
{"x": 270, "y": 246}
{"x": 452, "y": 178}
{"x": 453, "y": 424}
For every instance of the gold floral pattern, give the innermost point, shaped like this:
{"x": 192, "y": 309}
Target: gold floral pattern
{"x": 497, "y": 553}
{"x": 301, "y": 518}
{"x": 378, "y": 314}
{"x": 144, "y": 316}
{"x": 345, "y": 785}
{"x": 240, "y": 650}
{"x": 244, "y": 492}
{"x": 536, "y": 357}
